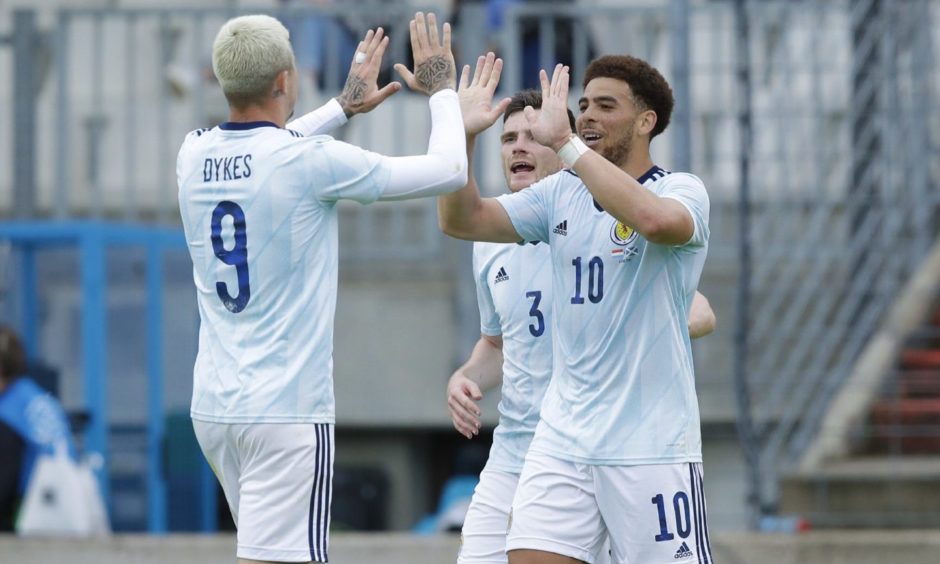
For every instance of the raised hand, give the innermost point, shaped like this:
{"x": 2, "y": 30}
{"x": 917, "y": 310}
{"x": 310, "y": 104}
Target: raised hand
{"x": 550, "y": 127}
{"x": 362, "y": 94}
{"x": 476, "y": 96}
{"x": 434, "y": 60}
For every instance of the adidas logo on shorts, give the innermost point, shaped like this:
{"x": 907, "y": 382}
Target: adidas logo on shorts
{"x": 683, "y": 552}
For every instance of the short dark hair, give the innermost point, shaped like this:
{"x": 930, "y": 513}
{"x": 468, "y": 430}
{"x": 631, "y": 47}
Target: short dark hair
{"x": 530, "y": 97}
{"x": 650, "y": 89}
{"x": 12, "y": 355}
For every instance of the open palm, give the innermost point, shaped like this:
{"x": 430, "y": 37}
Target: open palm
{"x": 476, "y": 96}
{"x": 550, "y": 127}
{"x": 362, "y": 94}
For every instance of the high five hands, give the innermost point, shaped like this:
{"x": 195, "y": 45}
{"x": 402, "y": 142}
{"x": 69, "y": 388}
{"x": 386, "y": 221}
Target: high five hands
{"x": 476, "y": 96}
{"x": 434, "y": 66}
{"x": 435, "y": 70}
{"x": 434, "y": 60}
{"x": 362, "y": 94}
{"x": 550, "y": 127}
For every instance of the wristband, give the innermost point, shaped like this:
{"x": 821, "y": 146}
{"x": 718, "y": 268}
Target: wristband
{"x": 572, "y": 150}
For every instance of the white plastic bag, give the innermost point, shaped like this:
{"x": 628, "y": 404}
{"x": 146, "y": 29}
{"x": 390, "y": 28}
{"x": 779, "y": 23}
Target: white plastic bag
{"x": 62, "y": 499}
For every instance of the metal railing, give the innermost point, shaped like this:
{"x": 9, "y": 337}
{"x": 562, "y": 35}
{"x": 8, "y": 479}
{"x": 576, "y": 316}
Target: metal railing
{"x": 845, "y": 215}
{"x": 128, "y": 83}
{"x": 842, "y": 136}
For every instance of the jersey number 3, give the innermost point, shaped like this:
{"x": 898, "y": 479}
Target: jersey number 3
{"x": 539, "y": 327}
{"x": 237, "y": 256}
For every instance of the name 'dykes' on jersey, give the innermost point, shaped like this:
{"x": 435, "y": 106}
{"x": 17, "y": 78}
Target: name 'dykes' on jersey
{"x": 218, "y": 169}
{"x": 258, "y": 205}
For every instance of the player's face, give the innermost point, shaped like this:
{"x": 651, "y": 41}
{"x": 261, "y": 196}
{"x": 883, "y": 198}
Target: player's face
{"x": 608, "y": 119}
{"x": 525, "y": 161}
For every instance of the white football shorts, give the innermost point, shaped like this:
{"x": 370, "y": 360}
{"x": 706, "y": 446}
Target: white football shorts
{"x": 278, "y": 481}
{"x": 654, "y": 514}
{"x": 483, "y": 538}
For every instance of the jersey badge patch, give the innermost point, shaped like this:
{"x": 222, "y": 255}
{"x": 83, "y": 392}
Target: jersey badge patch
{"x": 625, "y": 238}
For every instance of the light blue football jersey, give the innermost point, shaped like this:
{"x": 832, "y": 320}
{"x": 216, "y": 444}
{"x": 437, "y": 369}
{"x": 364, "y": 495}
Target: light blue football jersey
{"x": 514, "y": 292}
{"x": 258, "y": 205}
{"x": 622, "y": 390}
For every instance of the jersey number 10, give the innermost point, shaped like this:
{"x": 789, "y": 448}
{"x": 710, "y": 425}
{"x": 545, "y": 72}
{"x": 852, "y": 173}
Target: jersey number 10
{"x": 237, "y": 256}
{"x": 595, "y": 289}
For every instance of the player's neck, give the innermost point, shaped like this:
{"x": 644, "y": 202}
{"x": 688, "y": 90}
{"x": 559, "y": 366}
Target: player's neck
{"x": 638, "y": 163}
{"x": 256, "y": 113}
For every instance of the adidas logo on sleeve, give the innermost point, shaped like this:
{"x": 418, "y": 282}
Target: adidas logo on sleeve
{"x": 561, "y": 228}
{"x": 683, "y": 552}
{"x": 501, "y": 276}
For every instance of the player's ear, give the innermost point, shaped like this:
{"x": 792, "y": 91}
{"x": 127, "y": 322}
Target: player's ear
{"x": 646, "y": 122}
{"x": 282, "y": 83}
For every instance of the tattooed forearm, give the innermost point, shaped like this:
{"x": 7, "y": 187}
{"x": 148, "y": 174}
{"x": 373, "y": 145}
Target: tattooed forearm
{"x": 353, "y": 94}
{"x": 435, "y": 73}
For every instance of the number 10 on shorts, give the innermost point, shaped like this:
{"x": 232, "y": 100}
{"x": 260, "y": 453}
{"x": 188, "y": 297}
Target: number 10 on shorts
{"x": 680, "y": 505}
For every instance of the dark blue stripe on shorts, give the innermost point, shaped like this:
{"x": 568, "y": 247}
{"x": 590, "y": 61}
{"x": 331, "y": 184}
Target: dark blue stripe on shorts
{"x": 695, "y": 521}
{"x": 704, "y": 513}
{"x": 318, "y": 525}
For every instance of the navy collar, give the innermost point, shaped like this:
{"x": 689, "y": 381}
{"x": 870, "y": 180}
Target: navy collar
{"x": 654, "y": 172}
{"x": 245, "y": 125}
{"x": 651, "y": 173}
{"x": 522, "y": 243}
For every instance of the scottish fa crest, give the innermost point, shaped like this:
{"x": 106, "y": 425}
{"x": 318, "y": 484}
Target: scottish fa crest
{"x": 622, "y": 235}
{"x": 625, "y": 238}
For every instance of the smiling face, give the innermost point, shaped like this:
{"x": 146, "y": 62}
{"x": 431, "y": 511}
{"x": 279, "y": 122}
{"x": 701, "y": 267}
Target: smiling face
{"x": 525, "y": 161}
{"x": 610, "y": 121}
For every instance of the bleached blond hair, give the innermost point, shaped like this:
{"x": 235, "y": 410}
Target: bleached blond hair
{"x": 247, "y": 55}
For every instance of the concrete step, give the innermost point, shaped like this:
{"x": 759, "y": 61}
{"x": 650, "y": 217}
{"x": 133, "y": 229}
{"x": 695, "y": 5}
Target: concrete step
{"x": 818, "y": 547}
{"x": 906, "y": 411}
{"x": 921, "y": 440}
{"x": 886, "y": 492}
{"x": 915, "y": 384}
{"x": 908, "y": 421}
{"x": 920, "y": 359}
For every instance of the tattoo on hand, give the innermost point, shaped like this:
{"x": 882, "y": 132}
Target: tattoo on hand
{"x": 353, "y": 93}
{"x": 434, "y": 73}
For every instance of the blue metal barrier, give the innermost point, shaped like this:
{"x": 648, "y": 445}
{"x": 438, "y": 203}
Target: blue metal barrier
{"x": 92, "y": 239}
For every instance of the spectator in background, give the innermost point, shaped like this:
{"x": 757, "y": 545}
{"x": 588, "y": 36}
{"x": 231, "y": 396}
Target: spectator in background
{"x": 32, "y": 422}
{"x": 529, "y": 42}
{"x": 310, "y": 36}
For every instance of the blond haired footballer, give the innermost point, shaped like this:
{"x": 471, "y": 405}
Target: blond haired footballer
{"x": 258, "y": 204}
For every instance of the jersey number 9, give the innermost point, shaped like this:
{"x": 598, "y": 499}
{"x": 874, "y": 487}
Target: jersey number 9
{"x": 237, "y": 256}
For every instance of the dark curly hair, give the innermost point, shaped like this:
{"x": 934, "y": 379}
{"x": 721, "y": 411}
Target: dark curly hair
{"x": 530, "y": 97}
{"x": 650, "y": 89}
{"x": 12, "y": 355}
